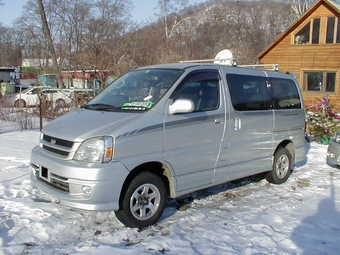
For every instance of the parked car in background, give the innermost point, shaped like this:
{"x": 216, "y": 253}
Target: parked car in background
{"x": 30, "y": 97}
{"x": 333, "y": 152}
{"x": 58, "y": 97}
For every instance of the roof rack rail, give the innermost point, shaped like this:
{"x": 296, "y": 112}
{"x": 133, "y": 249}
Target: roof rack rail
{"x": 225, "y": 57}
{"x": 215, "y": 60}
{"x": 275, "y": 67}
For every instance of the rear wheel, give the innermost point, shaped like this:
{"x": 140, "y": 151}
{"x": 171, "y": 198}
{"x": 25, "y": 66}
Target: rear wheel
{"x": 281, "y": 167}
{"x": 20, "y": 103}
{"x": 60, "y": 103}
{"x": 143, "y": 202}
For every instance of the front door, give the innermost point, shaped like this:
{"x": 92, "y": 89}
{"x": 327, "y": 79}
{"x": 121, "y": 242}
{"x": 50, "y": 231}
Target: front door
{"x": 192, "y": 140}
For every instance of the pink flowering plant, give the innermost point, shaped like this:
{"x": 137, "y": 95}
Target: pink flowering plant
{"x": 322, "y": 122}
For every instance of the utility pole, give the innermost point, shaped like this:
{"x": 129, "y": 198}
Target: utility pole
{"x": 48, "y": 37}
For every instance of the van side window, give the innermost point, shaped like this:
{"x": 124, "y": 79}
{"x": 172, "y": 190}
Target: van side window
{"x": 248, "y": 93}
{"x": 285, "y": 94}
{"x": 202, "y": 88}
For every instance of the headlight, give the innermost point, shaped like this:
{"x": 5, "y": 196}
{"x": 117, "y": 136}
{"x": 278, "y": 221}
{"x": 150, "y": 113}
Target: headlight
{"x": 337, "y": 137}
{"x": 95, "y": 150}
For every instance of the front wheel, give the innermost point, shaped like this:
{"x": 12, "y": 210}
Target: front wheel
{"x": 143, "y": 202}
{"x": 281, "y": 167}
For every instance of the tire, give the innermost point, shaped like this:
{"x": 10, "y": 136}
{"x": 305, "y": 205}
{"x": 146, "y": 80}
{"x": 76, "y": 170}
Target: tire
{"x": 143, "y": 202}
{"x": 281, "y": 167}
{"x": 20, "y": 103}
{"x": 60, "y": 103}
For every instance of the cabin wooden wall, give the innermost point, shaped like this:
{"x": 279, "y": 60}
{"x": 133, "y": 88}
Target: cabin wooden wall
{"x": 296, "y": 58}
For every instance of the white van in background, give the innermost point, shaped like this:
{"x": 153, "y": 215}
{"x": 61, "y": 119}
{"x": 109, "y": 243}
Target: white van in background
{"x": 167, "y": 130}
{"x": 30, "y": 96}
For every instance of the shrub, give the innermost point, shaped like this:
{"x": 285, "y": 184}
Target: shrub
{"x": 322, "y": 122}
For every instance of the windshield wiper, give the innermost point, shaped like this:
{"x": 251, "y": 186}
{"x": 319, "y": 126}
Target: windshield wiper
{"x": 103, "y": 107}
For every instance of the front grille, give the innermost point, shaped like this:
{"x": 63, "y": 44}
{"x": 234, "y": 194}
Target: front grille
{"x": 56, "y": 151}
{"x": 60, "y": 142}
{"x": 57, "y": 146}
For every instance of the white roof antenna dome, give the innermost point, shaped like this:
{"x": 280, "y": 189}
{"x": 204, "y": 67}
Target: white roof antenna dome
{"x": 224, "y": 57}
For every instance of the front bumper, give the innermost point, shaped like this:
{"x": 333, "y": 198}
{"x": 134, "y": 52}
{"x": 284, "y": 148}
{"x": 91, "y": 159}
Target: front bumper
{"x": 333, "y": 152}
{"x": 68, "y": 180}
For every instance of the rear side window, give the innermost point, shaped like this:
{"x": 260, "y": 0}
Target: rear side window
{"x": 285, "y": 94}
{"x": 248, "y": 93}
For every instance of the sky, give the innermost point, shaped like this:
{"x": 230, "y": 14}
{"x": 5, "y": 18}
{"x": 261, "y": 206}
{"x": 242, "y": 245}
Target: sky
{"x": 12, "y": 9}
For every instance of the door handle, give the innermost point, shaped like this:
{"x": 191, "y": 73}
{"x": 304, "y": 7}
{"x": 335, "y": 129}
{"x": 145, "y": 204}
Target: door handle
{"x": 237, "y": 123}
{"x": 217, "y": 121}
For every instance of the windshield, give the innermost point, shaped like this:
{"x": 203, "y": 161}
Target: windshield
{"x": 137, "y": 90}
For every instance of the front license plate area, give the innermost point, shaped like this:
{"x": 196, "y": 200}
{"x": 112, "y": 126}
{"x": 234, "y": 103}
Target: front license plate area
{"x": 44, "y": 173}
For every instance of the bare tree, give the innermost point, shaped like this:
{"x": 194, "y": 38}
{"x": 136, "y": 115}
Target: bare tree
{"x": 169, "y": 16}
{"x": 10, "y": 47}
{"x": 300, "y": 6}
{"x": 104, "y": 37}
{"x": 72, "y": 18}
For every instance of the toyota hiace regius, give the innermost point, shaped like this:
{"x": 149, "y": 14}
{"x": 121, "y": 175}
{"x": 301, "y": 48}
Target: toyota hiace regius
{"x": 167, "y": 130}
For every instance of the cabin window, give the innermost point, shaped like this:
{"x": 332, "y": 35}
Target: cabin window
{"x": 330, "y": 30}
{"x": 318, "y": 81}
{"x": 338, "y": 31}
{"x": 302, "y": 37}
{"x": 316, "y": 31}
{"x": 309, "y": 34}
{"x": 333, "y": 30}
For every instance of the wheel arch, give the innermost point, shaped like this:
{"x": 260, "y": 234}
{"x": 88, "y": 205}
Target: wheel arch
{"x": 18, "y": 101}
{"x": 289, "y": 145}
{"x": 157, "y": 168}
{"x": 60, "y": 100}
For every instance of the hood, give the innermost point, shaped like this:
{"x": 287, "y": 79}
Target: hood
{"x": 82, "y": 123}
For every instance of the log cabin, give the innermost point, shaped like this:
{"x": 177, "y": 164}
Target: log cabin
{"x": 310, "y": 48}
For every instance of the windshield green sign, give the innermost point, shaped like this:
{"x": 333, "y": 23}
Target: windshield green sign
{"x": 137, "y": 106}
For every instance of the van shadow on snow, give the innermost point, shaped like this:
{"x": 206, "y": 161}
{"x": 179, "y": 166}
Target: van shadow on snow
{"x": 319, "y": 233}
{"x": 227, "y": 189}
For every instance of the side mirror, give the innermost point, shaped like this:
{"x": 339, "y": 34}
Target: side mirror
{"x": 181, "y": 106}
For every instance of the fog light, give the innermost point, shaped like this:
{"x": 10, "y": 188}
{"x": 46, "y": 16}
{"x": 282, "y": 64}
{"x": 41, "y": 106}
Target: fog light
{"x": 87, "y": 190}
{"x": 330, "y": 154}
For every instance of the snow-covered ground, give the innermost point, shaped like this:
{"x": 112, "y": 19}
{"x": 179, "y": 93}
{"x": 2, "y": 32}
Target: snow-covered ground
{"x": 301, "y": 216}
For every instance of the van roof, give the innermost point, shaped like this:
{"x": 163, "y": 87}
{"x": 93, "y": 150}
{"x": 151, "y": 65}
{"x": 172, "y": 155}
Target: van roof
{"x": 186, "y": 65}
{"x": 254, "y": 68}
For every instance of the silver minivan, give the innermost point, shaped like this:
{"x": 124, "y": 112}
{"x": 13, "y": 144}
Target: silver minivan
{"x": 168, "y": 130}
